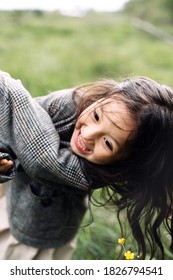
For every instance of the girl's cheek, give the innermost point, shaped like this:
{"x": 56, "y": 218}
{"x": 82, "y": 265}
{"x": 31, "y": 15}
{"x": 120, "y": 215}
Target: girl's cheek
{"x": 80, "y": 121}
{"x": 77, "y": 126}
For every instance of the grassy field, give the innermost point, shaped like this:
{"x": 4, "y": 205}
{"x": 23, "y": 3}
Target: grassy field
{"x": 50, "y": 51}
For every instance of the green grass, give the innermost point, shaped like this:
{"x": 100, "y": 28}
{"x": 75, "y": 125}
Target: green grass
{"x": 48, "y": 51}
{"x": 51, "y": 51}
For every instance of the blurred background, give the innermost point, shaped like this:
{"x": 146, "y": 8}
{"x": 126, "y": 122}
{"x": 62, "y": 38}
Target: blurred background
{"x": 51, "y": 48}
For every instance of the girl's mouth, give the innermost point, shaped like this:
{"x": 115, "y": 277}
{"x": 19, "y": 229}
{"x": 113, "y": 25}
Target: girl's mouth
{"x": 80, "y": 144}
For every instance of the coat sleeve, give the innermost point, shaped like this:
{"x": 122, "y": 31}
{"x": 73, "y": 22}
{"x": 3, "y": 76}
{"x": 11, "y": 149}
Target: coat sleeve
{"x": 28, "y": 130}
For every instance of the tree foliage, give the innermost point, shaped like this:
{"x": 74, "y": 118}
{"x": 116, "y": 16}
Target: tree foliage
{"x": 156, "y": 11}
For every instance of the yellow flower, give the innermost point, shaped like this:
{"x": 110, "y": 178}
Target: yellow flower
{"x": 121, "y": 240}
{"x": 129, "y": 255}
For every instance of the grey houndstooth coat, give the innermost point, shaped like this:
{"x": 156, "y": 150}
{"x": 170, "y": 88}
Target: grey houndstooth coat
{"x": 47, "y": 191}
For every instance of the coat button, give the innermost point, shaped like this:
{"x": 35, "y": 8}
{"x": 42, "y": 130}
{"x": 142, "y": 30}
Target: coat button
{"x": 46, "y": 201}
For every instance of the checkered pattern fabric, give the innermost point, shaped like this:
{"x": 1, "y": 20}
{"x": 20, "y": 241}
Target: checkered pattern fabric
{"x": 28, "y": 130}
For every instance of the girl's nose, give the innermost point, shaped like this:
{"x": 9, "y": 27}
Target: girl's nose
{"x": 92, "y": 133}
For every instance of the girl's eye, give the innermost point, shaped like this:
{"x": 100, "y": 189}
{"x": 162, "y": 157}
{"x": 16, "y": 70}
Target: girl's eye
{"x": 96, "y": 116}
{"x": 108, "y": 144}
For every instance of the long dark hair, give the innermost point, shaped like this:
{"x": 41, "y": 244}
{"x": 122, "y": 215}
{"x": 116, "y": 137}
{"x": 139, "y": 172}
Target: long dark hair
{"x": 141, "y": 183}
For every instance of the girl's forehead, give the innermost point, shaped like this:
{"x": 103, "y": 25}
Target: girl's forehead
{"x": 112, "y": 105}
{"x": 118, "y": 113}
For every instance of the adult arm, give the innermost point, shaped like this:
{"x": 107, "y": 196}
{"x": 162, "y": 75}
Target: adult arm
{"x": 28, "y": 130}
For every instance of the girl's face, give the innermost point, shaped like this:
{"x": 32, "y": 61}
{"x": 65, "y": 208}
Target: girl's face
{"x": 101, "y": 131}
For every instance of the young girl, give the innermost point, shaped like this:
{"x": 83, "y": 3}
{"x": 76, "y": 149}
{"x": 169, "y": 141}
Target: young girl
{"x": 115, "y": 136}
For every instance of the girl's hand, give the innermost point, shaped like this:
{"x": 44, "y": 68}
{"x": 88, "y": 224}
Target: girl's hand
{"x": 5, "y": 165}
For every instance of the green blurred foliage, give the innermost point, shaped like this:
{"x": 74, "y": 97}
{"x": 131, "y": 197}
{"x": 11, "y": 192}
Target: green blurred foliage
{"x": 48, "y": 51}
{"x": 156, "y": 11}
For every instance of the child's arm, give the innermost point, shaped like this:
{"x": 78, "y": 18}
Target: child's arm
{"x": 30, "y": 133}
